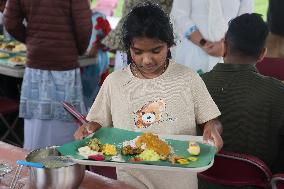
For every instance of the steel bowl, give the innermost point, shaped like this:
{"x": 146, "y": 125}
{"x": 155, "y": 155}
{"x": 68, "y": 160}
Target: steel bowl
{"x": 65, "y": 177}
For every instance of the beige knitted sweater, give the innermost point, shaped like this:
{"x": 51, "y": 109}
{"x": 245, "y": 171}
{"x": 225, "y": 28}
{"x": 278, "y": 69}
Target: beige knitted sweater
{"x": 173, "y": 103}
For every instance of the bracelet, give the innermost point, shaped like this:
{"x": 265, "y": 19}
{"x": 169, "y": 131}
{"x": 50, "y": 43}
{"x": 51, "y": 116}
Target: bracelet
{"x": 190, "y": 31}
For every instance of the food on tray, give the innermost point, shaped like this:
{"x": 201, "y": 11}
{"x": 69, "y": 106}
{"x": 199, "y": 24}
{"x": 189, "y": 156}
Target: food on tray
{"x": 9, "y": 46}
{"x": 13, "y": 46}
{"x": 193, "y": 148}
{"x": 19, "y": 48}
{"x": 97, "y": 157}
{"x": 153, "y": 142}
{"x": 95, "y": 144}
{"x": 4, "y": 55}
{"x": 95, "y": 147}
{"x": 183, "y": 161}
{"x": 109, "y": 149}
{"x": 192, "y": 158}
{"x": 149, "y": 155}
{"x": 18, "y": 60}
{"x": 142, "y": 144}
{"x": 117, "y": 158}
{"x": 14, "y": 43}
{"x": 135, "y": 159}
{"x": 86, "y": 151}
{"x": 174, "y": 158}
{"x": 129, "y": 150}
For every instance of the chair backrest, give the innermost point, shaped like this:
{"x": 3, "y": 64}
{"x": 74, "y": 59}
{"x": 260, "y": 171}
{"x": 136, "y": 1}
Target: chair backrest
{"x": 273, "y": 67}
{"x": 277, "y": 181}
{"x": 8, "y": 106}
{"x": 9, "y": 126}
{"x": 234, "y": 169}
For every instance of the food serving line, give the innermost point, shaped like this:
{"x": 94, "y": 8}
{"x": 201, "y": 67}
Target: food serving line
{"x": 18, "y": 71}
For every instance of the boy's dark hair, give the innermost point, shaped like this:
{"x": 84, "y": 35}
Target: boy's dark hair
{"x": 147, "y": 20}
{"x": 247, "y": 35}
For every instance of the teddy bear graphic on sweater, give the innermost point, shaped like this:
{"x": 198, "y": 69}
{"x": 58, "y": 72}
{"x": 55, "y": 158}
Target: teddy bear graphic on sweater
{"x": 149, "y": 114}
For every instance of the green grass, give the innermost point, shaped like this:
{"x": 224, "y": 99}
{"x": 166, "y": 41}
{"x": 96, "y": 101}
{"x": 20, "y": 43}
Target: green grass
{"x": 260, "y": 6}
{"x": 118, "y": 10}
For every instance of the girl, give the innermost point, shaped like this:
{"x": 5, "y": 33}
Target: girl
{"x": 178, "y": 95}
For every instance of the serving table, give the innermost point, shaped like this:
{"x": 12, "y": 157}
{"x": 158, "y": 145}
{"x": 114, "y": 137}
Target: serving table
{"x": 18, "y": 71}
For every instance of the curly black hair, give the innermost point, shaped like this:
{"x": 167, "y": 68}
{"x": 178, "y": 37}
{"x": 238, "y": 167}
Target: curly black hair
{"x": 147, "y": 20}
{"x": 247, "y": 35}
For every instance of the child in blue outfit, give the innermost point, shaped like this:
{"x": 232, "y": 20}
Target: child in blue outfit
{"x": 93, "y": 75}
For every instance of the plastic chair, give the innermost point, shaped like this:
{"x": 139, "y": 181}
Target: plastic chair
{"x": 237, "y": 170}
{"x": 7, "y": 107}
{"x": 273, "y": 67}
{"x": 277, "y": 181}
{"x": 80, "y": 119}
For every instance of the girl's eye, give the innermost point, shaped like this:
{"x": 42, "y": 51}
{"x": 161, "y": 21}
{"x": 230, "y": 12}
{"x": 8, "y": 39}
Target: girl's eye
{"x": 137, "y": 52}
{"x": 157, "y": 51}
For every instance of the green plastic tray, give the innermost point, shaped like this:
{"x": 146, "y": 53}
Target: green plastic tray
{"x": 117, "y": 136}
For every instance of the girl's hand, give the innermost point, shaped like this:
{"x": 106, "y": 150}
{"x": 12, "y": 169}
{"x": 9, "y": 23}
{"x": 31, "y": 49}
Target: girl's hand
{"x": 86, "y": 129}
{"x": 212, "y": 130}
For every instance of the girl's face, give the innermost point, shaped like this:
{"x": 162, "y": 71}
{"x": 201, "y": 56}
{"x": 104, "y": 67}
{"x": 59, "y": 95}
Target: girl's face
{"x": 149, "y": 55}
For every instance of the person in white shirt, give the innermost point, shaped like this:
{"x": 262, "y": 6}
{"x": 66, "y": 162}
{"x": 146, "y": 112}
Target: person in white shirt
{"x": 200, "y": 26}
